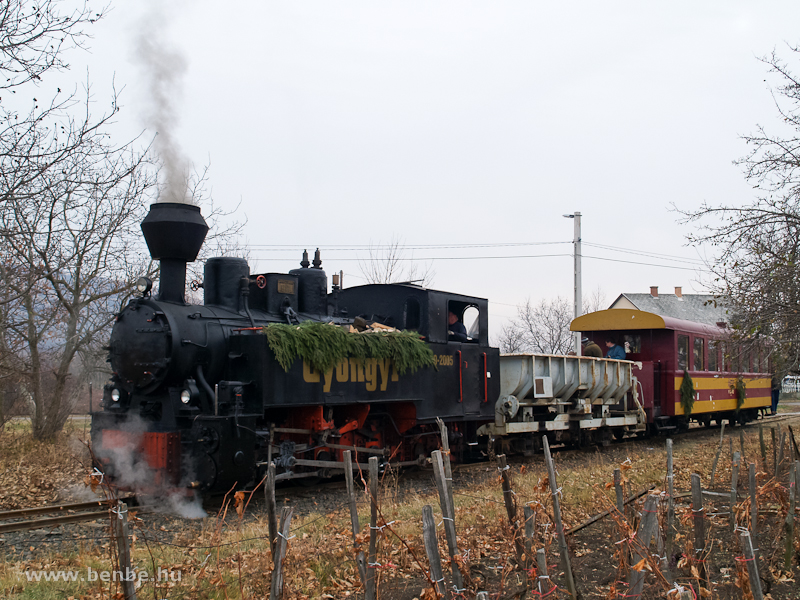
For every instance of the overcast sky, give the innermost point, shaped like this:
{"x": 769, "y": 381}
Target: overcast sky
{"x": 340, "y": 124}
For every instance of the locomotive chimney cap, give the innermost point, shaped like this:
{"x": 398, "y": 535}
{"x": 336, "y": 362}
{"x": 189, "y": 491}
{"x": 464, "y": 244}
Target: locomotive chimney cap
{"x": 174, "y": 231}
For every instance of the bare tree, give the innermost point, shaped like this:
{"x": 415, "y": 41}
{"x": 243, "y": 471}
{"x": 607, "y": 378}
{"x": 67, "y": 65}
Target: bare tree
{"x": 544, "y": 328}
{"x": 756, "y": 261}
{"x": 72, "y": 203}
{"x": 390, "y": 264}
{"x": 35, "y": 35}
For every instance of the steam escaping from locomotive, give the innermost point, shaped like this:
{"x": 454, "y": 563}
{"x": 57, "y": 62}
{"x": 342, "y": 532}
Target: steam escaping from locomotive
{"x": 163, "y": 68}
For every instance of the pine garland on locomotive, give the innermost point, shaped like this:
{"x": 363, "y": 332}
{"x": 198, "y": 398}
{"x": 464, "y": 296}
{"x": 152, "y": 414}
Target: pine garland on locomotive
{"x": 199, "y": 400}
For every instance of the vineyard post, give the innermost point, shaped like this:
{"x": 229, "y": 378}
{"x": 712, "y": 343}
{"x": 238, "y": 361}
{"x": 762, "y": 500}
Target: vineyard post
{"x": 618, "y": 490}
{"x": 529, "y": 529}
{"x": 698, "y": 514}
{"x": 734, "y": 485}
{"x": 120, "y": 520}
{"x": 511, "y": 505}
{"x": 730, "y": 443}
{"x": 351, "y": 495}
{"x": 432, "y": 550}
{"x": 741, "y": 444}
{"x": 762, "y": 445}
{"x": 639, "y": 550}
{"x": 272, "y": 511}
{"x": 751, "y": 477}
{"x": 670, "y": 499}
{"x": 541, "y": 568}
{"x": 448, "y": 517}
{"x": 779, "y": 464}
{"x": 448, "y": 469}
{"x": 276, "y": 585}
{"x": 562, "y": 540}
{"x": 372, "y": 586}
{"x": 716, "y": 458}
{"x": 789, "y": 524}
{"x": 774, "y": 450}
{"x": 752, "y": 566}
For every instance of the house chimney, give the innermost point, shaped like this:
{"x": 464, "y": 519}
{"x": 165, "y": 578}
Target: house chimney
{"x": 654, "y": 291}
{"x": 678, "y": 292}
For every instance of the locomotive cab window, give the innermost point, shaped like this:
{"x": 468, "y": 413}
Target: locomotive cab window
{"x": 462, "y": 320}
{"x": 411, "y": 314}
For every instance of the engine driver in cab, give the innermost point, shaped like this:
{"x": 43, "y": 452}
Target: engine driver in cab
{"x": 458, "y": 332}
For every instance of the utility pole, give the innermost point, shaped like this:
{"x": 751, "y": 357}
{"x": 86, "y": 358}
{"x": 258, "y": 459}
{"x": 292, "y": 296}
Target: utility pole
{"x": 576, "y": 241}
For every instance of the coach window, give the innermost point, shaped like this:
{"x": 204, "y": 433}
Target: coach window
{"x": 633, "y": 343}
{"x": 411, "y": 315}
{"x": 713, "y": 365}
{"x": 683, "y": 352}
{"x": 699, "y": 351}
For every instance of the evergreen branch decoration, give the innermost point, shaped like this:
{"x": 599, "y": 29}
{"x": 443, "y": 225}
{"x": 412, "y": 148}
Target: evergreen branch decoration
{"x": 324, "y": 345}
{"x": 687, "y": 393}
{"x": 739, "y": 389}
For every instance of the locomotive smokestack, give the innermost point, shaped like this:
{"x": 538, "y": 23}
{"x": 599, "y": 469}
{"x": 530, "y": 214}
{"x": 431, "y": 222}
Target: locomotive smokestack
{"x": 174, "y": 234}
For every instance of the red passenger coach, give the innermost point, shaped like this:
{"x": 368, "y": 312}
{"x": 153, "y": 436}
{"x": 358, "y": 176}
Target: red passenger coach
{"x": 669, "y": 349}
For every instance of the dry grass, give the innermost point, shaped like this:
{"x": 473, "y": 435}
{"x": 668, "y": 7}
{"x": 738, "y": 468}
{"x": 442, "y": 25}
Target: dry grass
{"x": 227, "y": 557}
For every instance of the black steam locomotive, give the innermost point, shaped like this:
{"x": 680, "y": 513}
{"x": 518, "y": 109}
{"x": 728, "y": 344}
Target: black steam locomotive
{"x": 198, "y": 400}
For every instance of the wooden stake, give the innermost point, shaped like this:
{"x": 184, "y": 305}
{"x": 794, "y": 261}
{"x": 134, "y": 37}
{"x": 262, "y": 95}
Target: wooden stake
{"x": 448, "y": 517}
{"x": 447, "y": 460}
{"x": 272, "y": 510}
{"x": 789, "y": 523}
{"x": 699, "y": 515}
{"x": 639, "y": 550}
{"x": 530, "y": 517}
{"x": 354, "y": 524}
{"x": 752, "y": 566}
{"x": 276, "y": 585}
{"x": 670, "y": 499}
{"x": 751, "y": 479}
{"x": 774, "y": 451}
{"x": 734, "y": 485}
{"x": 120, "y": 525}
{"x": 372, "y": 584}
{"x": 741, "y": 444}
{"x": 511, "y": 505}
{"x": 762, "y": 445}
{"x": 618, "y": 490}
{"x": 541, "y": 569}
{"x": 562, "y": 540}
{"x": 716, "y": 458}
{"x": 432, "y": 550}
{"x": 779, "y": 464}
{"x": 794, "y": 443}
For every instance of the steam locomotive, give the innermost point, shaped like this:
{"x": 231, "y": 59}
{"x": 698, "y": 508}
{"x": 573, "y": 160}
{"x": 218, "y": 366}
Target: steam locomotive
{"x": 198, "y": 400}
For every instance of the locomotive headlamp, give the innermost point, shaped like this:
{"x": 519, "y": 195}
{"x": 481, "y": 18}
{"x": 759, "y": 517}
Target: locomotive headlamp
{"x": 144, "y": 285}
{"x": 115, "y": 395}
{"x": 189, "y": 394}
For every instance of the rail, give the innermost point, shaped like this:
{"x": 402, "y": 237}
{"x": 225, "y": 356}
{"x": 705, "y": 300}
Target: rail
{"x": 67, "y": 513}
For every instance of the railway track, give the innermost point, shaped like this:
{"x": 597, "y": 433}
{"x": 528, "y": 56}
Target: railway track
{"x": 20, "y": 520}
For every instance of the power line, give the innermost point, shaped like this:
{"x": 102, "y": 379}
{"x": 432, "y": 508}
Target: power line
{"x": 649, "y": 254}
{"x": 358, "y": 247}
